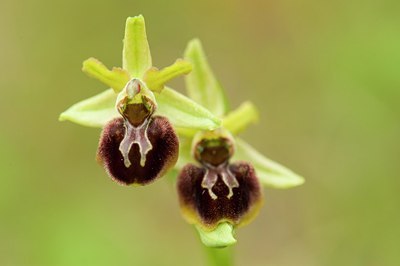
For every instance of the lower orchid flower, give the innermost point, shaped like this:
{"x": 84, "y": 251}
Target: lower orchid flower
{"x": 220, "y": 185}
{"x": 218, "y": 190}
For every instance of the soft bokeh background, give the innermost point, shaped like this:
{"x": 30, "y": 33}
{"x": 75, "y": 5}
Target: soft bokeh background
{"x": 326, "y": 78}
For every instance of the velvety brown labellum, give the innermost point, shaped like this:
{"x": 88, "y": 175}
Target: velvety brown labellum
{"x": 162, "y": 156}
{"x": 221, "y": 204}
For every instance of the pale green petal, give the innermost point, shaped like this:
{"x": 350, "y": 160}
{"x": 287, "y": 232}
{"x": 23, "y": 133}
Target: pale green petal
{"x": 136, "y": 57}
{"x": 93, "y": 112}
{"x": 240, "y": 118}
{"x": 185, "y": 113}
{"x": 270, "y": 173}
{"x": 201, "y": 83}
{"x": 156, "y": 79}
{"x": 115, "y": 78}
{"x": 222, "y": 236}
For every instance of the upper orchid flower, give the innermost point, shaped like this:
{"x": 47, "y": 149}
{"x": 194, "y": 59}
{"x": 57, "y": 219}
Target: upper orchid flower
{"x": 138, "y": 143}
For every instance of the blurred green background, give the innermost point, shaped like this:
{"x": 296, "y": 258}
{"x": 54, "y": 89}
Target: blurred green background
{"x": 326, "y": 78}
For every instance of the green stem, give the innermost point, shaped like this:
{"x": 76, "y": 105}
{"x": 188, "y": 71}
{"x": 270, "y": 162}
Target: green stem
{"x": 219, "y": 256}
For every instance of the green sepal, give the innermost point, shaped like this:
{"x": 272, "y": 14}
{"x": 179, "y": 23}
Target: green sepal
{"x": 201, "y": 84}
{"x": 220, "y": 237}
{"x": 136, "y": 57}
{"x": 156, "y": 79}
{"x": 184, "y": 112}
{"x": 240, "y": 118}
{"x": 93, "y": 112}
{"x": 115, "y": 78}
{"x": 270, "y": 173}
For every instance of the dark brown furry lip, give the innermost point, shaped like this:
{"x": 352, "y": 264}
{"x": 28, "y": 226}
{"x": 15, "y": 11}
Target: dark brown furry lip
{"x": 211, "y": 210}
{"x": 218, "y": 190}
{"x": 161, "y": 157}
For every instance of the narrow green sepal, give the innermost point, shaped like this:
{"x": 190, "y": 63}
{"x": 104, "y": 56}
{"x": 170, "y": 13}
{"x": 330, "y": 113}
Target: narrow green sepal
{"x": 240, "y": 118}
{"x": 201, "y": 84}
{"x": 93, "y": 112}
{"x": 115, "y": 78}
{"x": 184, "y": 112}
{"x": 136, "y": 57}
{"x": 222, "y": 236}
{"x": 156, "y": 79}
{"x": 270, "y": 173}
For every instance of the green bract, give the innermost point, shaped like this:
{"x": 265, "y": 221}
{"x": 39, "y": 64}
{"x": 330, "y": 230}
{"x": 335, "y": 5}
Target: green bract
{"x": 203, "y": 88}
{"x": 96, "y": 111}
{"x": 222, "y": 236}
